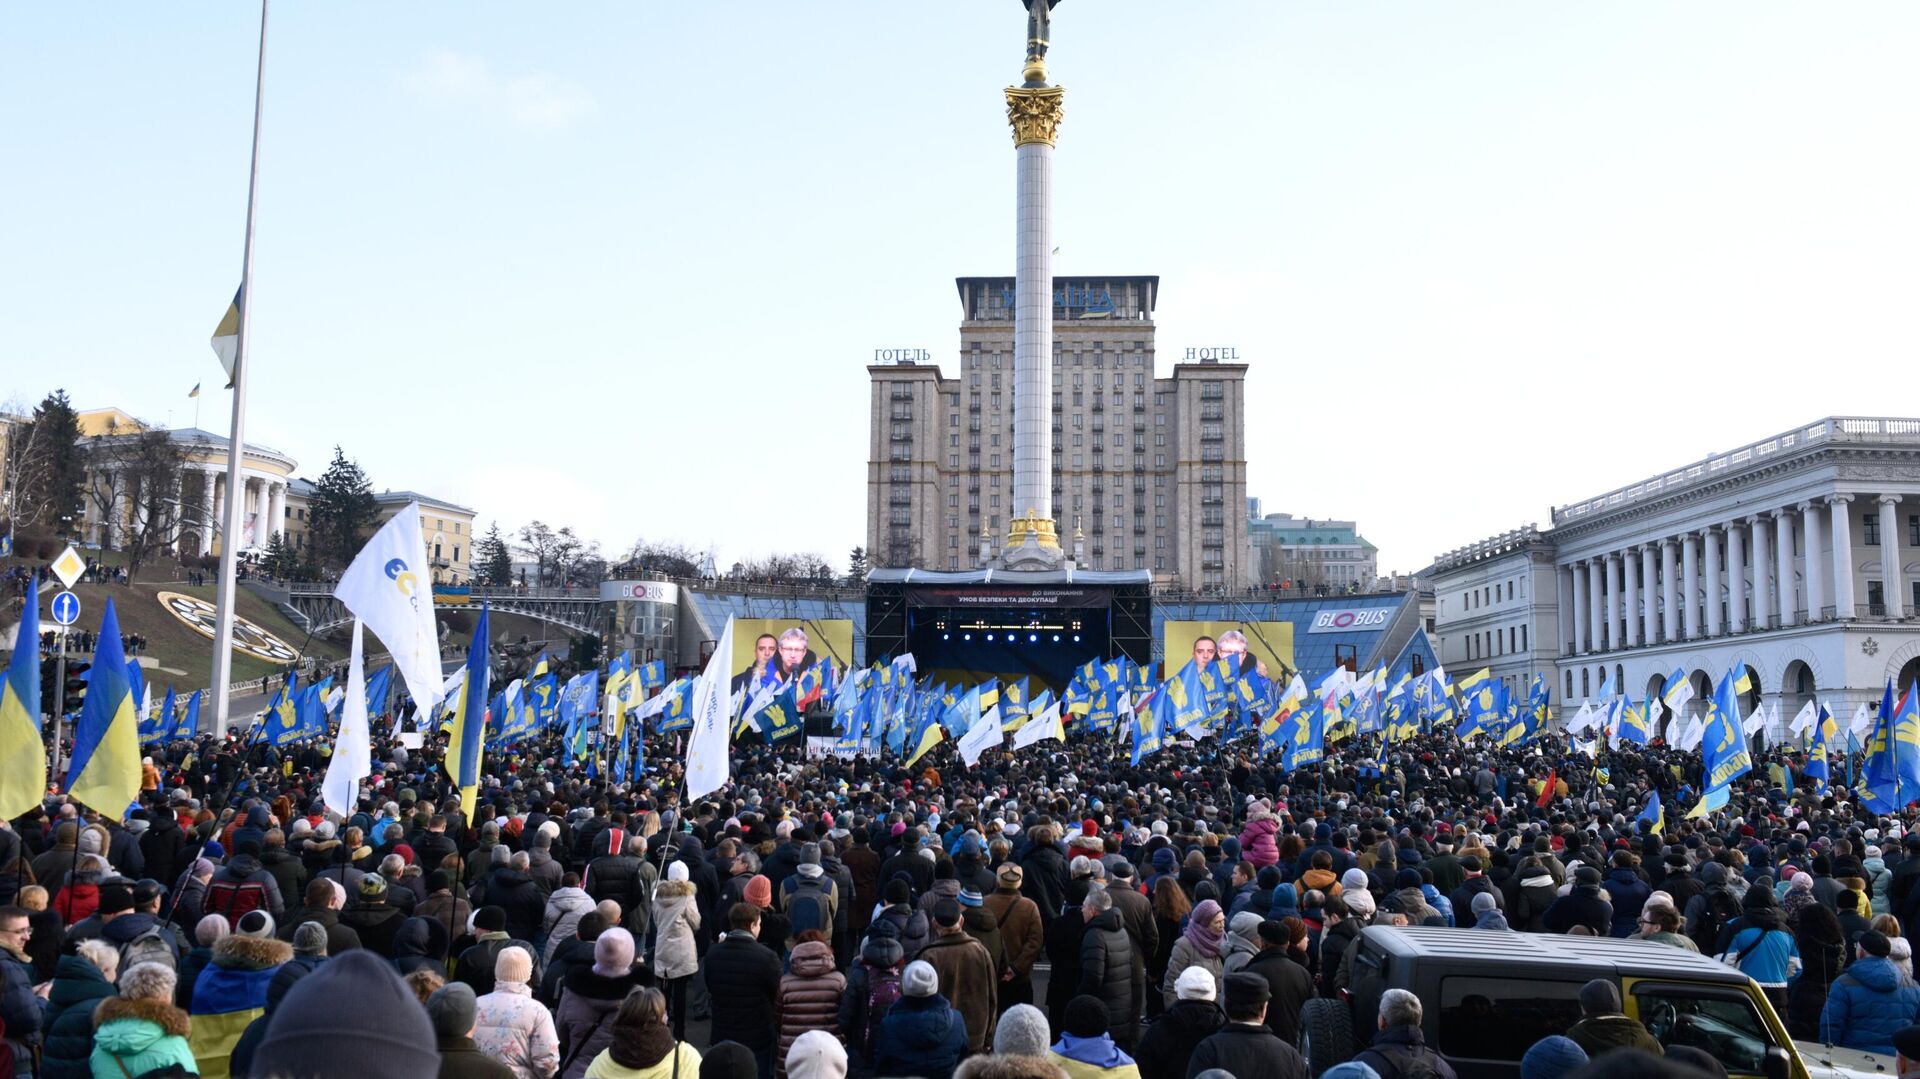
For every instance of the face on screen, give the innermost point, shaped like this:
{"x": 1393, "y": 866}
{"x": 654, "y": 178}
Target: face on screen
{"x": 792, "y": 651}
{"x": 763, "y": 649}
{"x": 1204, "y": 650}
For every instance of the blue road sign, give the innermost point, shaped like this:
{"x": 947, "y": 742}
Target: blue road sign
{"x": 66, "y": 608}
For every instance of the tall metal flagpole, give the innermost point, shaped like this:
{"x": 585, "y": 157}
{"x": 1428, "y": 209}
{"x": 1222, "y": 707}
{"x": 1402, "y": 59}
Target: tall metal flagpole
{"x": 236, "y": 437}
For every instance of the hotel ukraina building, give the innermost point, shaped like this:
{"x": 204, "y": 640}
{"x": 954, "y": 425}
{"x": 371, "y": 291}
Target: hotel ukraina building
{"x": 1796, "y": 556}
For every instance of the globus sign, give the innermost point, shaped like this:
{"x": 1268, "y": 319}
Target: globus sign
{"x": 1348, "y": 619}
{"x": 652, "y": 591}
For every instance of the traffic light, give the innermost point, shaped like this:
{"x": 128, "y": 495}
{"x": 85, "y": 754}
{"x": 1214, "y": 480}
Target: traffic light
{"x": 76, "y": 688}
{"x": 49, "y": 695}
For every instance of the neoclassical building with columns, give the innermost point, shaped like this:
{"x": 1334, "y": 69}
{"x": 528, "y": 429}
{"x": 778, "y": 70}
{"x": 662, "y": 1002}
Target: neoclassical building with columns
{"x": 1796, "y": 556}
{"x": 202, "y": 487}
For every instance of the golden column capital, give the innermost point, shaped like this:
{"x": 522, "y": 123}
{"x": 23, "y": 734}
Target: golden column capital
{"x": 1035, "y": 112}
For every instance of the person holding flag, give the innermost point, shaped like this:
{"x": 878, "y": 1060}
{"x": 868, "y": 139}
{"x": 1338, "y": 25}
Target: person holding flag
{"x": 470, "y": 721}
{"x": 104, "y": 774}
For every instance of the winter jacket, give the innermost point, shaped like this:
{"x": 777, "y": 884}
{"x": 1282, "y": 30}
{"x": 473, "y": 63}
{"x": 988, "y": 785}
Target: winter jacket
{"x": 1291, "y": 987}
{"x": 1878, "y": 877}
{"x": 1186, "y": 955}
{"x": 1533, "y": 894}
{"x": 565, "y": 908}
{"x": 1334, "y": 944}
{"x": 1400, "y": 1051}
{"x": 1044, "y": 881}
{"x": 810, "y": 995}
{"x": 676, "y": 922}
{"x": 19, "y": 1008}
{"x": 1091, "y": 1058}
{"x": 880, "y": 957}
{"x": 921, "y": 1036}
{"x": 517, "y": 1030}
{"x": 514, "y": 892}
{"x": 77, "y": 986}
{"x": 584, "y": 1020}
{"x": 1462, "y": 899}
{"x": 1258, "y": 843}
{"x": 1868, "y": 1004}
{"x": 1248, "y": 1051}
{"x": 287, "y": 872}
{"x": 1599, "y": 1033}
{"x": 969, "y": 979}
{"x": 1629, "y": 894}
{"x": 461, "y": 1059}
{"x": 1021, "y": 934}
{"x": 133, "y": 1037}
{"x": 244, "y": 869}
{"x": 1807, "y": 994}
{"x": 1171, "y": 1039}
{"x": 421, "y": 944}
{"x": 231, "y": 993}
{"x": 375, "y": 926}
{"x": 743, "y": 975}
{"x": 684, "y": 1057}
{"x": 1582, "y": 906}
{"x": 1766, "y": 953}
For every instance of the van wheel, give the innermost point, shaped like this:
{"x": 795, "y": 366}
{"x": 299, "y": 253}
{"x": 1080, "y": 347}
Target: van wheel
{"x": 1326, "y": 1034}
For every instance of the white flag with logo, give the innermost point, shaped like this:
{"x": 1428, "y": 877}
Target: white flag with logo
{"x": 1582, "y": 719}
{"x": 707, "y": 763}
{"x": 1862, "y": 722}
{"x": 1804, "y": 722}
{"x": 352, "y": 747}
{"x": 390, "y": 588}
{"x": 982, "y": 736}
{"x": 1040, "y": 728}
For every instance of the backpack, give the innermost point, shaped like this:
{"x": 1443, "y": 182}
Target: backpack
{"x": 883, "y": 992}
{"x": 809, "y": 908}
{"x": 151, "y": 946}
{"x": 1719, "y": 908}
{"x": 233, "y": 899}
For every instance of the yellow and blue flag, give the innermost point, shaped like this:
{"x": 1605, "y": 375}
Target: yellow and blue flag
{"x": 105, "y": 771}
{"x": 1653, "y": 816}
{"x": 189, "y": 724}
{"x": 23, "y": 756}
{"x": 464, "y": 742}
{"x": 1150, "y": 726}
{"x": 1724, "y": 745}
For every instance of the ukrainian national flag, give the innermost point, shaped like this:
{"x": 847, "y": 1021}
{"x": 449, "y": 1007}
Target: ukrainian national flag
{"x": 105, "y": 772}
{"x": 470, "y": 722}
{"x": 23, "y": 757}
{"x": 226, "y": 336}
{"x": 926, "y": 734}
{"x": 1653, "y": 816}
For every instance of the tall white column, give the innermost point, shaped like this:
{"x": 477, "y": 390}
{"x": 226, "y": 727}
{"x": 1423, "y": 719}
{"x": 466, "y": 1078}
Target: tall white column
{"x": 1736, "y": 578}
{"x": 1764, "y": 592}
{"x": 1710, "y": 536}
{"x": 1649, "y": 610}
{"x": 277, "y": 509}
{"x": 1892, "y": 587}
{"x": 1580, "y": 599}
{"x": 1615, "y": 609}
{"x": 1596, "y": 638}
{"x": 1783, "y": 566}
{"x": 1813, "y": 560}
{"x": 1840, "y": 513}
{"x": 257, "y": 505}
{"x": 1630, "y": 577}
{"x": 1034, "y": 109}
{"x": 1669, "y": 592}
{"x": 207, "y": 478}
{"x": 1564, "y": 575}
{"x": 1690, "y": 584}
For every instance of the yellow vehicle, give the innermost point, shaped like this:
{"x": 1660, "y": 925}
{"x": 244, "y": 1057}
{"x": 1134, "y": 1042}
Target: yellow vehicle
{"x": 1490, "y": 996}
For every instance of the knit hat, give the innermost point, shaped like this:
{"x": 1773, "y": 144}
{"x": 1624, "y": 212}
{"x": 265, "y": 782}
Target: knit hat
{"x": 1022, "y": 1031}
{"x": 1484, "y": 902}
{"x": 452, "y": 1008}
{"x": 613, "y": 953}
{"x": 1359, "y": 902}
{"x": 210, "y": 928}
{"x": 759, "y": 892}
{"x": 1599, "y": 997}
{"x": 1086, "y": 1017}
{"x": 1875, "y": 943}
{"x": 1245, "y": 989}
{"x": 677, "y": 871}
{"x": 490, "y": 919}
{"x": 946, "y": 912}
{"x": 515, "y": 964}
{"x": 970, "y": 898}
{"x": 817, "y": 1055}
{"x": 116, "y": 898}
{"x": 919, "y": 979}
{"x": 310, "y": 938}
{"x": 1351, "y": 1069}
{"x": 1406, "y": 878}
{"x": 1353, "y": 879}
{"x": 728, "y": 1060}
{"x": 254, "y": 923}
{"x": 1552, "y": 1057}
{"x": 1194, "y": 983}
{"x": 351, "y": 1016}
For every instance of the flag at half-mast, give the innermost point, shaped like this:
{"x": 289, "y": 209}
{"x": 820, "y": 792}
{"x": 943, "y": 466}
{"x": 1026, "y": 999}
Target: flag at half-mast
{"x": 226, "y": 336}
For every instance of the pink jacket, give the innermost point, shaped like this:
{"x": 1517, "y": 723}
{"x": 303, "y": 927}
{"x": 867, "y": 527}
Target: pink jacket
{"x": 1257, "y": 843}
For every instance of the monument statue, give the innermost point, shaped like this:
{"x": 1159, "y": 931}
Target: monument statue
{"x": 1038, "y": 20}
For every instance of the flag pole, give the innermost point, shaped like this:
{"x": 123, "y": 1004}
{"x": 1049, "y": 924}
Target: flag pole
{"x": 236, "y": 437}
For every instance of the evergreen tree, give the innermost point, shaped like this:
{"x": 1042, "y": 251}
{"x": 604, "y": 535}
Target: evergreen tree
{"x": 342, "y": 512}
{"x": 492, "y": 562}
{"x": 280, "y": 561}
{"x": 857, "y": 566}
{"x": 46, "y": 469}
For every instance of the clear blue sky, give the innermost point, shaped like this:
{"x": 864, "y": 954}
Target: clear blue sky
{"x": 621, "y": 265}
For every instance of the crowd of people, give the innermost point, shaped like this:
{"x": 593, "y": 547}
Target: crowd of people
{"x": 1059, "y": 911}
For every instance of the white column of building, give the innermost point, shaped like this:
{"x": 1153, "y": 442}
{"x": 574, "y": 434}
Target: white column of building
{"x": 1649, "y": 612}
{"x": 1711, "y": 537}
{"x": 1736, "y": 579}
{"x": 1690, "y": 584}
{"x": 1840, "y": 513}
{"x": 1615, "y": 609}
{"x": 1564, "y": 575}
{"x": 257, "y": 505}
{"x": 1579, "y": 637}
{"x": 1783, "y": 566}
{"x": 207, "y": 476}
{"x": 1892, "y": 587}
{"x": 1669, "y": 592}
{"x": 1596, "y": 639}
{"x": 1630, "y": 577}
{"x": 1764, "y": 592}
{"x": 276, "y": 509}
{"x": 1813, "y": 559}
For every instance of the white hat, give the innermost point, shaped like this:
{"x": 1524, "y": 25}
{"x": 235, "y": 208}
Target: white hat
{"x": 919, "y": 979}
{"x": 1194, "y": 983}
{"x": 677, "y": 871}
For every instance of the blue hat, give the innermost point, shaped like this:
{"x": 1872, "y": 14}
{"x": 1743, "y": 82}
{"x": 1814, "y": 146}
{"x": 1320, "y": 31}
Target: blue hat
{"x": 970, "y": 898}
{"x": 1552, "y": 1057}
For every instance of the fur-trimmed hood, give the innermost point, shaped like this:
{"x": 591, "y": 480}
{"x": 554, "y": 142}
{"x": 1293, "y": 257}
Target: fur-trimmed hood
{"x": 673, "y": 889}
{"x": 168, "y": 1018}
{"x": 236, "y": 952}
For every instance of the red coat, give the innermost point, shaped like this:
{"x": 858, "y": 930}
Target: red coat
{"x": 1257, "y": 843}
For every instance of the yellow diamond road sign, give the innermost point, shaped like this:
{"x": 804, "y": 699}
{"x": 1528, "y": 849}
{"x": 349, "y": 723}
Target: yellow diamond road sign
{"x": 69, "y": 566}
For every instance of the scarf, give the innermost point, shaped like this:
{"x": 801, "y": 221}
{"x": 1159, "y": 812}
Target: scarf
{"x": 1197, "y": 933}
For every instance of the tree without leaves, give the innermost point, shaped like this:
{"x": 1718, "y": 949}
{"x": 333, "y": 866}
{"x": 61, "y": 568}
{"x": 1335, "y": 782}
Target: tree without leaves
{"x": 539, "y": 541}
{"x": 341, "y": 513}
{"x": 133, "y": 484}
{"x": 807, "y": 567}
{"x": 671, "y": 559}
